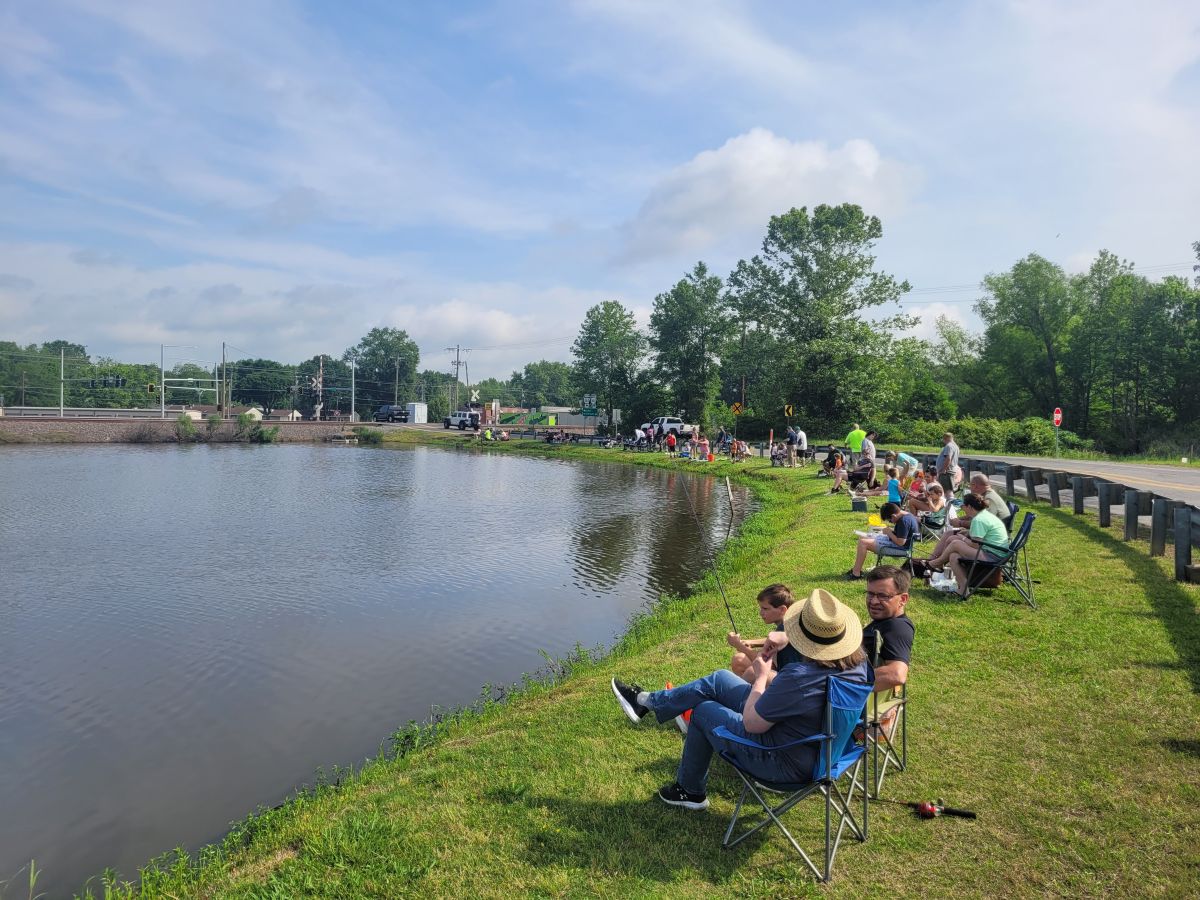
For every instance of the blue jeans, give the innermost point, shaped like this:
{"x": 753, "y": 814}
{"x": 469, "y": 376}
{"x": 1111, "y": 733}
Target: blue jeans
{"x": 715, "y": 699}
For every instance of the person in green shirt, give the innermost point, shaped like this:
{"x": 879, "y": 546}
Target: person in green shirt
{"x": 985, "y": 529}
{"x": 854, "y": 441}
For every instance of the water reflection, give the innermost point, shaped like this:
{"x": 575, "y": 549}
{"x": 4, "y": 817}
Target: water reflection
{"x": 188, "y": 633}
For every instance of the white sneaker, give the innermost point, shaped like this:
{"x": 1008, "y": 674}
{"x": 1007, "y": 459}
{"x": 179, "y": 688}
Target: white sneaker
{"x": 681, "y": 724}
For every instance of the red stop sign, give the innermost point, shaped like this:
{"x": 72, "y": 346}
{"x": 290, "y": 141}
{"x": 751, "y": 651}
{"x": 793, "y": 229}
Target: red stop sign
{"x": 1057, "y": 416}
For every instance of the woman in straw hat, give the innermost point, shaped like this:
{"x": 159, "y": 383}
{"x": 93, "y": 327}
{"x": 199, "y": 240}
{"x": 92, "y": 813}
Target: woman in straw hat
{"x": 826, "y": 634}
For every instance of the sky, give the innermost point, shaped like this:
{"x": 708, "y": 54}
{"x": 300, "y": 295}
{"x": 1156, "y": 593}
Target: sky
{"x": 284, "y": 176}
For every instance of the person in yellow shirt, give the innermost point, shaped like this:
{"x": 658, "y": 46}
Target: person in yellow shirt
{"x": 854, "y": 441}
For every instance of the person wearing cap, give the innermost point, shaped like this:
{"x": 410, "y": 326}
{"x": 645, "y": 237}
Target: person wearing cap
{"x": 827, "y": 636}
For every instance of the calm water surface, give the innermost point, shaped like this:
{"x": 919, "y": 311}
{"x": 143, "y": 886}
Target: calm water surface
{"x": 187, "y": 633}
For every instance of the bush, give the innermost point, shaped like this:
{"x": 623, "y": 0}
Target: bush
{"x": 368, "y": 435}
{"x": 185, "y": 429}
{"x": 259, "y": 435}
{"x": 211, "y": 424}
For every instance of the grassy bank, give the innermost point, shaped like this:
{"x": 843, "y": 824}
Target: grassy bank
{"x": 1074, "y": 731}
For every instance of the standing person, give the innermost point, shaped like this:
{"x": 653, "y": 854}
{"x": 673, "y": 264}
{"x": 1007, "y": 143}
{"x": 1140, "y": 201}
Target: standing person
{"x": 827, "y": 636}
{"x": 868, "y": 446}
{"x": 854, "y": 441}
{"x": 947, "y": 463}
{"x": 802, "y": 445}
{"x": 790, "y": 441}
{"x": 671, "y": 443}
{"x": 905, "y": 462}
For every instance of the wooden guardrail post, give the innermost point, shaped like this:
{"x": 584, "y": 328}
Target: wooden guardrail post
{"x": 1010, "y": 481}
{"x": 1052, "y": 483}
{"x": 1158, "y": 526}
{"x": 1183, "y": 542}
{"x": 1131, "y": 514}
{"x": 1031, "y": 481}
{"x": 1082, "y": 487}
{"x": 1104, "y": 499}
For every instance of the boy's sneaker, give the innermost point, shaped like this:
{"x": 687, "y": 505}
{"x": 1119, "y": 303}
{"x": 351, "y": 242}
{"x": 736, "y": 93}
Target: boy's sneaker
{"x": 677, "y": 796}
{"x": 681, "y": 724}
{"x": 627, "y": 695}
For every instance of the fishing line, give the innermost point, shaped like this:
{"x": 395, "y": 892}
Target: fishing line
{"x": 700, "y": 537}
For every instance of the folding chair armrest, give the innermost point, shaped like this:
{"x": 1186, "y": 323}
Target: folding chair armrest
{"x": 725, "y": 734}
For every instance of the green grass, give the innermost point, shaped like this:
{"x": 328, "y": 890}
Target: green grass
{"x": 1073, "y": 730}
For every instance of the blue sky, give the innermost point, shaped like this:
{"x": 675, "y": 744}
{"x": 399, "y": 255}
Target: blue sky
{"x": 285, "y": 176}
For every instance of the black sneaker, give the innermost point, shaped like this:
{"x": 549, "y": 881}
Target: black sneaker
{"x": 626, "y": 695}
{"x": 677, "y": 796}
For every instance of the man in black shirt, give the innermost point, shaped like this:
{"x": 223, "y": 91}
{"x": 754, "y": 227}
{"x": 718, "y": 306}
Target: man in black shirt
{"x": 888, "y": 637}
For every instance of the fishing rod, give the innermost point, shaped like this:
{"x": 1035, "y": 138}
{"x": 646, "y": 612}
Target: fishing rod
{"x": 700, "y": 537}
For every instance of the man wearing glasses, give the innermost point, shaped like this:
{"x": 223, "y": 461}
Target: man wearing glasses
{"x": 888, "y": 638}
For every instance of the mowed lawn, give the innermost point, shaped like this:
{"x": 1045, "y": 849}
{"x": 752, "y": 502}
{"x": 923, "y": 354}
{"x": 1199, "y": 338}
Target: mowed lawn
{"x": 1073, "y": 730}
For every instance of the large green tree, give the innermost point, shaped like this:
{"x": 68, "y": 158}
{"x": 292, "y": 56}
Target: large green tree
{"x": 807, "y": 291}
{"x": 689, "y": 328}
{"x": 386, "y": 360}
{"x": 608, "y": 353}
{"x": 544, "y": 383}
{"x": 262, "y": 382}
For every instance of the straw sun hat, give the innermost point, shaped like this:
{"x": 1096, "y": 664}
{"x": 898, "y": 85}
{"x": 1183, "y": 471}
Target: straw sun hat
{"x": 822, "y": 627}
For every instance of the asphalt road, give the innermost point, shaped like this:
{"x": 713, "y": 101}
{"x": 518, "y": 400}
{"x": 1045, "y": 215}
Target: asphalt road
{"x": 1175, "y": 482}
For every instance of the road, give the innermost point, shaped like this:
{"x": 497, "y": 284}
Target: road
{"x": 1175, "y": 482}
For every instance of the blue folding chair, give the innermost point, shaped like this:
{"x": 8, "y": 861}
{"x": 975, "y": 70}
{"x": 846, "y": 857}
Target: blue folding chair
{"x": 840, "y": 756}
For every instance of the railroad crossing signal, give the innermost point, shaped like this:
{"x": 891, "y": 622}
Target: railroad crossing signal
{"x": 474, "y": 396}
{"x": 1057, "y": 416}
{"x": 787, "y": 410}
{"x": 736, "y": 409}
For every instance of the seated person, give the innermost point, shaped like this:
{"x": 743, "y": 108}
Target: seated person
{"x": 982, "y": 485}
{"x": 839, "y": 472}
{"x": 956, "y": 548}
{"x": 739, "y": 451}
{"x": 773, "y": 603}
{"x": 904, "y": 526}
{"x": 831, "y": 462}
{"x": 863, "y": 474}
{"x": 933, "y": 501}
{"x": 827, "y": 637}
{"x": 778, "y": 455}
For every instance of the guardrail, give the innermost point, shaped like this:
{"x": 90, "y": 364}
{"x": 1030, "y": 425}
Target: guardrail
{"x": 1166, "y": 515}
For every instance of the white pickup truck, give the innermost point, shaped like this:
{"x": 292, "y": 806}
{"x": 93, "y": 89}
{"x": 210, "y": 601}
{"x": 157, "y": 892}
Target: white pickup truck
{"x": 670, "y": 424}
{"x": 462, "y": 420}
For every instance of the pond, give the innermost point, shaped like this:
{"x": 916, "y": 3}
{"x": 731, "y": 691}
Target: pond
{"x": 189, "y": 633}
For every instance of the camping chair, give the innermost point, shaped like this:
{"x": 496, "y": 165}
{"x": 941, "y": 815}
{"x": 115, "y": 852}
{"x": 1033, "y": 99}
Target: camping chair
{"x": 886, "y": 731}
{"x": 905, "y": 552}
{"x": 1013, "y": 509}
{"x": 1012, "y": 562}
{"x": 839, "y": 754}
{"x": 934, "y": 524}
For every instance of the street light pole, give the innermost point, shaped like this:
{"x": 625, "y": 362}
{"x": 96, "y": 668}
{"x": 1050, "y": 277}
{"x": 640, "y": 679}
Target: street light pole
{"x": 353, "y": 406}
{"x": 162, "y": 381}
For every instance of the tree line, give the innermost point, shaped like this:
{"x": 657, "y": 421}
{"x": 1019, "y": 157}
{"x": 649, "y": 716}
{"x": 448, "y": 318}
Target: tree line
{"x": 809, "y": 324}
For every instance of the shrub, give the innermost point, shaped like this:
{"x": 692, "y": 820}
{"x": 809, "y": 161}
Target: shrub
{"x": 368, "y": 435}
{"x": 259, "y": 435}
{"x": 185, "y": 429}
{"x": 211, "y": 424}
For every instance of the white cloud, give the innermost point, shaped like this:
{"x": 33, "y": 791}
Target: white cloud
{"x": 728, "y": 194}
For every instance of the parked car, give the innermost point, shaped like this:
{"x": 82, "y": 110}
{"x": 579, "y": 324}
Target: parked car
{"x": 670, "y": 424}
{"x": 462, "y": 420}
{"x": 390, "y": 413}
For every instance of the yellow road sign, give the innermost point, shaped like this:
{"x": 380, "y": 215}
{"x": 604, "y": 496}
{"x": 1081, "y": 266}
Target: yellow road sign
{"x": 787, "y": 410}
{"x": 736, "y": 409}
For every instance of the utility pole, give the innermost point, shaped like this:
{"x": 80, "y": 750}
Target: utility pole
{"x": 223, "y": 403}
{"x": 321, "y": 388}
{"x": 22, "y": 388}
{"x": 62, "y": 376}
{"x": 457, "y": 363}
{"x": 353, "y": 369}
{"x": 396, "y": 384}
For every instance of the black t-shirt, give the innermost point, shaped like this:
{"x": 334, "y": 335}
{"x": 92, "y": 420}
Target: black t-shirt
{"x": 896, "y": 639}
{"x": 785, "y": 654}
{"x": 906, "y": 526}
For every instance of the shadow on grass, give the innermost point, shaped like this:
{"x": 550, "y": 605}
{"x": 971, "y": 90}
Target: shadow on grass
{"x": 1186, "y": 747}
{"x": 645, "y": 837}
{"x": 1174, "y": 605}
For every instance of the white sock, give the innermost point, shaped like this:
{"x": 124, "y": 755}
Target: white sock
{"x": 643, "y": 697}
